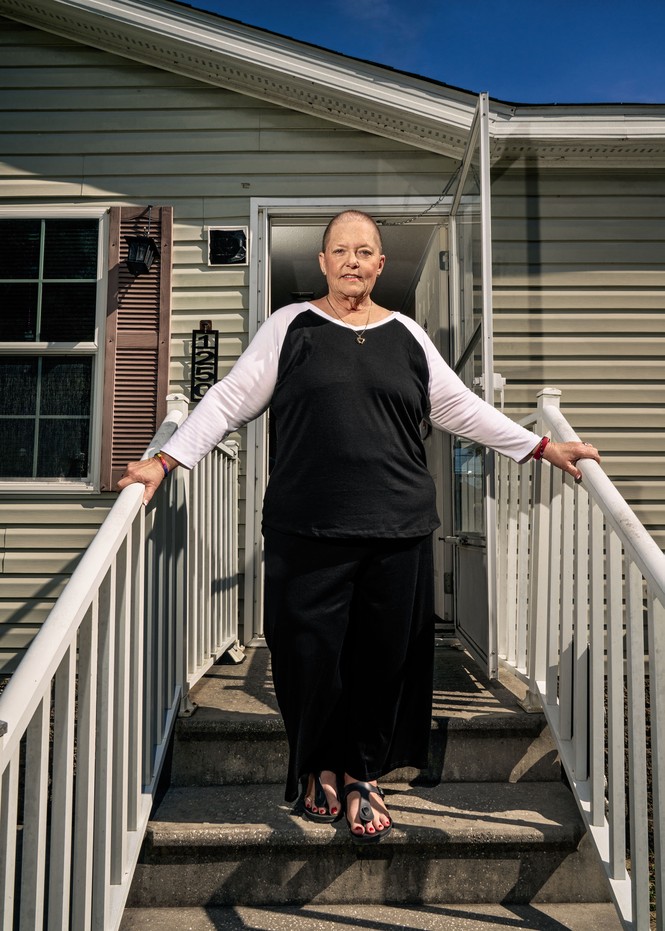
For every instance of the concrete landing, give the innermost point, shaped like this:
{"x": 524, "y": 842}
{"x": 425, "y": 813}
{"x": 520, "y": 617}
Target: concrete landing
{"x": 461, "y": 690}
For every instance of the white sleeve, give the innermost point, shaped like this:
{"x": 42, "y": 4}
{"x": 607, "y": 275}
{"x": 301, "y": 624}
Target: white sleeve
{"x": 455, "y": 408}
{"x": 238, "y": 398}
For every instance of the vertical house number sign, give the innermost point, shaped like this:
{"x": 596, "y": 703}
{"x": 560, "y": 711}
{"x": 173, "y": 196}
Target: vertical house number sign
{"x": 205, "y": 353}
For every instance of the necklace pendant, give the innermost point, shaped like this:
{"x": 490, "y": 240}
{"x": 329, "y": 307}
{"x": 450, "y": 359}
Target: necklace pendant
{"x": 360, "y": 339}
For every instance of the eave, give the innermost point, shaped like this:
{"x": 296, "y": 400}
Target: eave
{"x": 347, "y": 91}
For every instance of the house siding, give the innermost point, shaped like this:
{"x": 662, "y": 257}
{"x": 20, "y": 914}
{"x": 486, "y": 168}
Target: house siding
{"x": 579, "y": 298}
{"x": 86, "y": 127}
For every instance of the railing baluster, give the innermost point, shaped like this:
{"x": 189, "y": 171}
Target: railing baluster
{"x": 60, "y": 846}
{"x": 193, "y": 571}
{"x": 120, "y": 712}
{"x": 234, "y": 580}
{"x": 8, "y": 839}
{"x": 201, "y": 501}
{"x": 33, "y": 858}
{"x": 180, "y": 564}
{"x": 656, "y": 622}
{"x": 224, "y": 582}
{"x": 511, "y": 587}
{"x": 566, "y": 614}
{"x": 502, "y": 553}
{"x": 580, "y": 717}
{"x": 597, "y": 667}
{"x": 104, "y": 753}
{"x": 168, "y": 606}
{"x": 204, "y": 568}
{"x": 135, "y": 708}
{"x": 637, "y": 758}
{"x": 554, "y": 586}
{"x": 84, "y": 805}
{"x": 538, "y": 597}
{"x": 216, "y": 596}
{"x": 150, "y": 623}
{"x": 160, "y": 635}
{"x": 615, "y": 719}
{"x": 522, "y": 570}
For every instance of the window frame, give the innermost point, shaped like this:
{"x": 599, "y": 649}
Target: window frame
{"x": 95, "y": 349}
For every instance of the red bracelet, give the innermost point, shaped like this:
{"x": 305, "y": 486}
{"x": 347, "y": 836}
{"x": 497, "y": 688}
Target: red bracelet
{"x": 163, "y": 463}
{"x": 541, "y": 448}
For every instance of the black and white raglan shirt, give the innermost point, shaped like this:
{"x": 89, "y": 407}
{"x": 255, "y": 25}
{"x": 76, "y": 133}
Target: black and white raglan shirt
{"x": 349, "y": 459}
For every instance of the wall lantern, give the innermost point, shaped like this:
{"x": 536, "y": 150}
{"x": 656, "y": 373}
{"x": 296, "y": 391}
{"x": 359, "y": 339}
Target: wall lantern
{"x": 142, "y": 250}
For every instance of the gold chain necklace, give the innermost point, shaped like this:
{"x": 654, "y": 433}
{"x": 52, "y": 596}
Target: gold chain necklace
{"x": 360, "y": 337}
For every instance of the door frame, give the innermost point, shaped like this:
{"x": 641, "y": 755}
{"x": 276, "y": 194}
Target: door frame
{"x": 479, "y": 136}
{"x": 262, "y": 210}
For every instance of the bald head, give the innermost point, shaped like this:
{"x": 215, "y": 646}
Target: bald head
{"x": 351, "y": 215}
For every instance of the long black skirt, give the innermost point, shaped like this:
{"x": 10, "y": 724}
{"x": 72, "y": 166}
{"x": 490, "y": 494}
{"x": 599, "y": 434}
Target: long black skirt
{"x": 350, "y": 627}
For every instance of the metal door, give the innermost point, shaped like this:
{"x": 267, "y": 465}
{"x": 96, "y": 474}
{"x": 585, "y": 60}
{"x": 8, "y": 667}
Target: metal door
{"x": 474, "y": 528}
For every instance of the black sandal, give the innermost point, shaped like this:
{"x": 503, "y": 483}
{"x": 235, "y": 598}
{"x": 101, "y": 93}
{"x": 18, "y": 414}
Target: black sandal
{"x": 320, "y": 801}
{"x": 366, "y": 813}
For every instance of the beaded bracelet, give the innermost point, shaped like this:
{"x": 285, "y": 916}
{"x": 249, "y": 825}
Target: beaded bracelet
{"x": 541, "y": 448}
{"x": 163, "y": 463}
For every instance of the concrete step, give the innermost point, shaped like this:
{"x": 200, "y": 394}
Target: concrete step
{"x": 474, "y": 917}
{"x": 479, "y": 730}
{"x": 455, "y": 843}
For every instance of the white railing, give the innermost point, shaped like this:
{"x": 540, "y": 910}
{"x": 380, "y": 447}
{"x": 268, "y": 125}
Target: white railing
{"x": 582, "y": 620}
{"x": 88, "y": 714}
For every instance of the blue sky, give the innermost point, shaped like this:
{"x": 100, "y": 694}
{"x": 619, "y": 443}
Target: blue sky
{"x": 523, "y": 51}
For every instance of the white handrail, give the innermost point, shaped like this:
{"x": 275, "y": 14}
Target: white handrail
{"x": 618, "y": 513}
{"x": 592, "y": 614}
{"x": 114, "y": 654}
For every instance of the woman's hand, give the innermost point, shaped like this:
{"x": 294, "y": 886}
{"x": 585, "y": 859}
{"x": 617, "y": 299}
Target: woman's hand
{"x": 565, "y": 456}
{"x": 148, "y": 472}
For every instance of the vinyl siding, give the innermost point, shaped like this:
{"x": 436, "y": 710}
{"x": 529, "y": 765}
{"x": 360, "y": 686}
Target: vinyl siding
{"x": 41, "y": 541}
{"x": 579, "y": 298}
{"x": 82, "y": 126}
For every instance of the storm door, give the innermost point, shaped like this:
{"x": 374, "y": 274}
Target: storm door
{"x": 474, "y": 527}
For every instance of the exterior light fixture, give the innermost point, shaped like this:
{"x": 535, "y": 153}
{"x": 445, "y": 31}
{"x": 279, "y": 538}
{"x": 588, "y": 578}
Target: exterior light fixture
{"x": 142, "y": 250}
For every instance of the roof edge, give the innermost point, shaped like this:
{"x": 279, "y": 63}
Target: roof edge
{"x": 418, "y": 111}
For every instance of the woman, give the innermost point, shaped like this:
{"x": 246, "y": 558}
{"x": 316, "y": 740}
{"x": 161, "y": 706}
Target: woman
{"x": 347, "y": 520}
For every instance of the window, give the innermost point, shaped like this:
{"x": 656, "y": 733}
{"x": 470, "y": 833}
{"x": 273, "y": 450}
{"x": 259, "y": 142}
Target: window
{"x": 50, "y": 370}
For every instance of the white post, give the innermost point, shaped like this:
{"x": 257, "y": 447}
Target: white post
{"x": 182, "y": 500}
{"x": 538, "y": 619}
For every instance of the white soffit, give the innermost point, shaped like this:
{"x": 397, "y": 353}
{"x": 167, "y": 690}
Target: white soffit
{"x": 344, "y": 90}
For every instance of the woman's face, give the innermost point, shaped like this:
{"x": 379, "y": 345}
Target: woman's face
{"x": 352, "y": 260}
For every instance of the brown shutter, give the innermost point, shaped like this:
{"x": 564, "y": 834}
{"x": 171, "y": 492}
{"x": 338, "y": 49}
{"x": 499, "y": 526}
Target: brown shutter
{"x": 136, "y": 351}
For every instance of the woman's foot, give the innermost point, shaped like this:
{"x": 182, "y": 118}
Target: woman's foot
{"x": 366, "y": 812}
{"x": 320, "y": 797}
